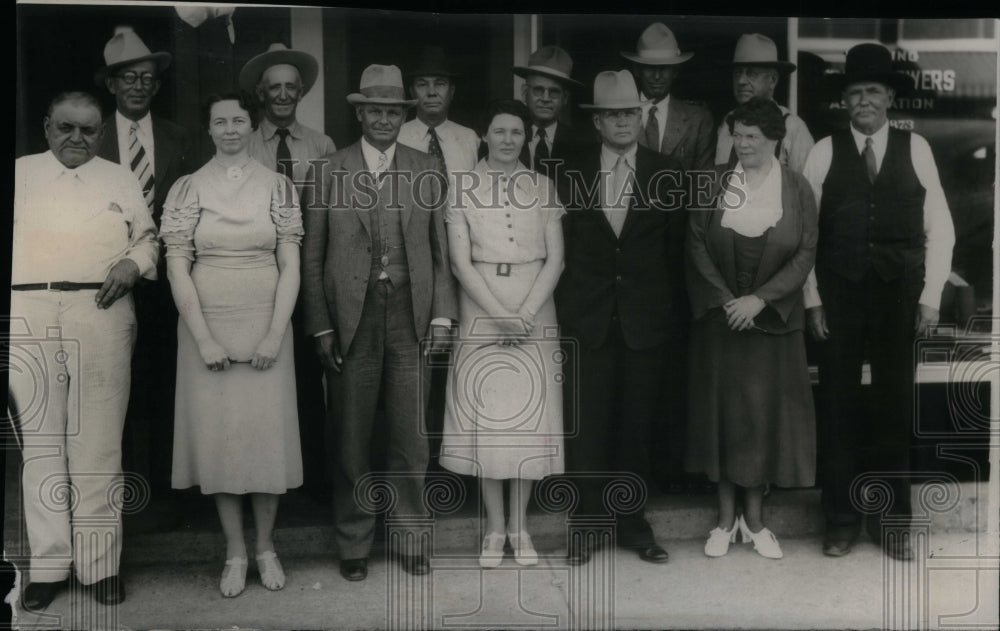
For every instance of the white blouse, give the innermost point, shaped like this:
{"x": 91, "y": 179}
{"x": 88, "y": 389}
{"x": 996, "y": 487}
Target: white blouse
{"x": 750, "y": 212}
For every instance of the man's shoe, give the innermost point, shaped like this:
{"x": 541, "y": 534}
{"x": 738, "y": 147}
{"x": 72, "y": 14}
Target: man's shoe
{"x": 899, "y": 549}
{"x": 653, "y": 554}
{"x": 37, "y": 596}
{"x": 836, "y": 547}
{"x": 354, "y": 569}
{"x": 109, "y": 591}
{"x": 416, "y": 564}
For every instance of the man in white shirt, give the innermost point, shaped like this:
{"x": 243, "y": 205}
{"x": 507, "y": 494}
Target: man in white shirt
{"x": 546, "y": 92}
{"x": 675, "y": 128}
{"x": 756, "y": 72}
{"x": 883, "y": 257}
{"x": 432, "y": 84}
{"x": 83, "y": 236}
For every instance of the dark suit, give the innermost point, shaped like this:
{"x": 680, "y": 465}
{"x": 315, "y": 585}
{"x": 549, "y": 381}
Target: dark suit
{"x": 619, "y": 301}
{"x": 689, "y": 137}
{"x": 565, "y": 146}
{"x": 150, "y": 418}
{"x": 379, "y": 324}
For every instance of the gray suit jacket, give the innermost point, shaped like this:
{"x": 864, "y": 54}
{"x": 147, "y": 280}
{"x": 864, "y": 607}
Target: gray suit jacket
{"x": 690, "y": 136}
{"x": 336, "y": 253}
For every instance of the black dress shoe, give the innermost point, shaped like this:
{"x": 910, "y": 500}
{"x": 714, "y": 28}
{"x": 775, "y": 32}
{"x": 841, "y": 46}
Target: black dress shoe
{"x": 109, "y": 591}
{"x": 416, "y": 564}
{"x": 354, "y": 569}
{"x": 38, "y": 596}
{"x": 836, "y": 547}
{"x": 653, "y": 554}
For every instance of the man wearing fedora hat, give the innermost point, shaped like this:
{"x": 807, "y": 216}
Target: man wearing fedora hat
{"x": 279, "y": 78}
{"x": 756, "y": 72}
{"x": 883, "y": 257}
{"x": 432, "y": 84}
{"x": 156, "y": 151}
{"x": 619, "y": 301}
{"x": 376, "y": 281}
{"x": 675, "y": 128}
{"x": 546, "y": 92}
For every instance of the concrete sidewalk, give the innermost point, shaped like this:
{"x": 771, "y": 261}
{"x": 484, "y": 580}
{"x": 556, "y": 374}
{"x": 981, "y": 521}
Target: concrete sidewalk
{"x": 954, "y": 583}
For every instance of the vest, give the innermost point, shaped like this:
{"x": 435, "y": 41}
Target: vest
{"x": 876, "y": 226}
{"x": 388, "y": 246}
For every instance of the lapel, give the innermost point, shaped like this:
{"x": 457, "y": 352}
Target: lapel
{"x": 770, "y": 258}
{"x": 109, "y": 143}
{"x": 354, "y": 163}
{"x": 642, "y": 176}
{"x": 723, "y": 242}
{"x": 598, "y": 208}
{"x": 676, "y": 122}
{"x": 163, "y": 150}
{"x": 400, "y": 191}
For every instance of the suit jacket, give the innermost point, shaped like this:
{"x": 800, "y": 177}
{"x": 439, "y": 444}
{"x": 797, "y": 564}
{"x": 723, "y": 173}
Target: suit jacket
{"x": 789, "y": 254}
{"x": 690, "y": 136}
{"x": 336, "y": 253}
{"x": 565, "y": 146}
{"x": 640, "y": 274}
{"x": 171, "y": 145}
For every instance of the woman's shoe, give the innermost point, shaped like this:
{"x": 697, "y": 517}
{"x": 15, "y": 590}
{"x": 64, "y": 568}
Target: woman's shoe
{"x": 272, "y": 576}
{"x": 234, "y": 577}
{"x": 719, "y": 540}
{"x": 492, "y": 554}
{"x": 764, "y": 542}
{"x": 524, "y": 552}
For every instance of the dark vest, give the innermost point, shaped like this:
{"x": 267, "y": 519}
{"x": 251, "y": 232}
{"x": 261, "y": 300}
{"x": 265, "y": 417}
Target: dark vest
{"x": 388, "y": 246}
{"x": 864, "y": 225}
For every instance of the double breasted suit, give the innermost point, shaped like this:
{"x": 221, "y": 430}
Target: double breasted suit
{"x": 619, "y": 301}
{"x": 378, "y": 318}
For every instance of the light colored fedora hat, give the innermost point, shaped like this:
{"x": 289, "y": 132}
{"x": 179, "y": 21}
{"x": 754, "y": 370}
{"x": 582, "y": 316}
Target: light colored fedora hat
{"x": 614, "y": 90}
{"x": 381, "y": 85}
{"x": 754, "y": 49}
{"x": 275, "y": 55}
{"x": 124, "y": 48}
{"x": 549, "y": 61}
{"x": 657, "y": 47}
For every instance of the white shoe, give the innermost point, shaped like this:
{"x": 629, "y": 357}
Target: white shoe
{"x": 719, "y": 540}
{"x": 272, "y": 576}
{"x": 524, "y": 552}
{"x": 764, "y": 542}
{"x": 492, "y": 554}
{"x": 234, "y": 577}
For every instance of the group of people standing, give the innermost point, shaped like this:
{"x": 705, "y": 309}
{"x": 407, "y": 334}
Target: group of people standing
{"x": 593, "y": 266}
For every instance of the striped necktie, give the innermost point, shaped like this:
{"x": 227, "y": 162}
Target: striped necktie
{"x": 139, "y": 162}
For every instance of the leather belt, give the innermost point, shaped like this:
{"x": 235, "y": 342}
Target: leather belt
{"x": 63, "y": 285}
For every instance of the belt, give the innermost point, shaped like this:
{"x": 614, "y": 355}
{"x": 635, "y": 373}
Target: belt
{"x": 63, "y": 285}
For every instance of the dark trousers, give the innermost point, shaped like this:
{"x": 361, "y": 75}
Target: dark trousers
{"x": 870, "y": 319}
{"x": 613, "y": 399}
{"x": 312, "y": 417}
{"x": 669, "y": 431}
{"x": 385, "y": 353}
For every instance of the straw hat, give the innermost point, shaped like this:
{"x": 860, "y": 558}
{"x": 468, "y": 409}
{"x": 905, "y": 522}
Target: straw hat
{"x": 126, "y": 48}
{"x": 381, "y": 85}
{"x": 549, "y": 61}
{"x": 657, "y": 47}
{"x": 278, "y": 54}
{"x": 614, "y": 91}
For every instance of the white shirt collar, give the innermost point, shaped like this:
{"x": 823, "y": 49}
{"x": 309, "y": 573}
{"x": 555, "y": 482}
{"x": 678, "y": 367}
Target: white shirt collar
{"x": 52, "y": 168}
{"x": 647, "y": 103}
{"x": 609, "y": 158}
{"x": 422, "y": 128}
{"x": 879, "y": 138}
{"x": 550, "y": 132}
{"x": 145, "y": 124}
{"x": 371, "y": 154}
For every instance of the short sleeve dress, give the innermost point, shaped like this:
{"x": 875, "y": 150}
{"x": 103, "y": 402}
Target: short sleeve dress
{"x": 503, "y": 411}
{"x": 236, "y": 431}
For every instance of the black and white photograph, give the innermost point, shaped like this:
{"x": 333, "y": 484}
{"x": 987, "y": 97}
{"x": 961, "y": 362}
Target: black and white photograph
{"x": 328, "y": 317}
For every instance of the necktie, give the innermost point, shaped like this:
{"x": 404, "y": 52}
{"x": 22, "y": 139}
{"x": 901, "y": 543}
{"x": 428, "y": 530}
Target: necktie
{"x": 652, "y": 133}
{"x": 284, "y": 161}
{"x": 383, "y": 162}
{"x": 617, "y": 205}
{"x": 869, "y": 155}
{"x": 434, "y": 148}
{"x": 541, "y": 151}
{"x": 139, "y": 162}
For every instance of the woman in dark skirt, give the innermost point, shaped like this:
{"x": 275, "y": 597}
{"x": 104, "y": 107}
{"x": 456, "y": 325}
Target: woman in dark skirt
{"x": 752, "y": 421}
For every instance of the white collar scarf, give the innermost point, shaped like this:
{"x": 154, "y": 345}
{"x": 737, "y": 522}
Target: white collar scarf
{"x": 760, "y": 209}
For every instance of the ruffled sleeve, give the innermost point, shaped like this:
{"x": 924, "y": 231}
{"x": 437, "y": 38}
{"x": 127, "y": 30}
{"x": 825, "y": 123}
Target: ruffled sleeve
{"x": 285, "y": 212}
{"x": 181, "y": 212}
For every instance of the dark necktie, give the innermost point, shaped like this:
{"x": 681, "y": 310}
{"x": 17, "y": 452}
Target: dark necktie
{"x": 541, "y": 151}
{"x": 869, "y": 155}
{"x": 434, "y": 148}
{"x": 652, "y": 134}
{"x": 284, "y": 162}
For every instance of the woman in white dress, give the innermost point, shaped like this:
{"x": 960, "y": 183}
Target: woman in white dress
{"x": 503, "y": 415}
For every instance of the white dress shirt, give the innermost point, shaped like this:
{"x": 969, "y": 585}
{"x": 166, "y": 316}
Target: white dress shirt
{"x": 76, "y": 224}
{"x": 304, "y": 144}
{"x": 938, "y": 227}
{"x": 459, "y": 144}
{"x": 145, "y": 134}
{"x": 550, "y": 135}
{"x": 609, "y": 158}
{"x": 659, "y": 111}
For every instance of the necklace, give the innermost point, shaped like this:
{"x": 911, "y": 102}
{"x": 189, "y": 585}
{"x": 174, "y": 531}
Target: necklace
{"x": 235, "y": 172}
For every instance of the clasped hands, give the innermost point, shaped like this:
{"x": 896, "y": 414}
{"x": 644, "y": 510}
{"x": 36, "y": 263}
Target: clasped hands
{"x": 264, "y": 356}
{"x": 513, "y": 328}
{"x": 741, "y": 311}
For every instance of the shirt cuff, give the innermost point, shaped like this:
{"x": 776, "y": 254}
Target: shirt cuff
{"x": 810, "y": 292}
{"x": 146, "y": 266}
{"x": 445, "y": 322}
{"x": 931, "y": 297}
{"x": 322, "y": 333}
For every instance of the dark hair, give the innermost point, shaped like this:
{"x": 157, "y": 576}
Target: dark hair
{"x": 240, "y": 97}
{"x": 762, "y": 113}
{"x": 504, "y": 106}
{"x": 75, "y": 97}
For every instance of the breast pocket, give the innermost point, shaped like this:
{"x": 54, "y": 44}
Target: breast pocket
{"x": 110, "y": 229}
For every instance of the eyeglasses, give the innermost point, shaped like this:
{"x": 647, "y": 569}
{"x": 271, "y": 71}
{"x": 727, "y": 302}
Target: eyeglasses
{"x": 130, "y": 78}
{"x": 620, "y": 114}
{"x": 540, "y": 92}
